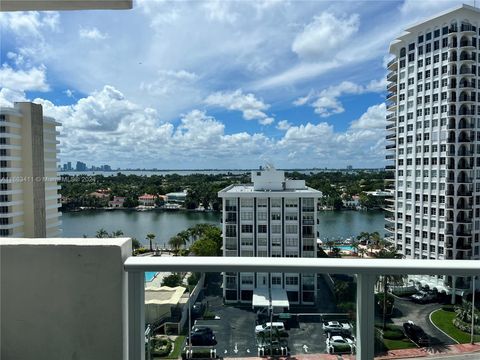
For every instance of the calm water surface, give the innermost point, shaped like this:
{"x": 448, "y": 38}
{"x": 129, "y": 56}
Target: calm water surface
{"x": 333, "y": 224}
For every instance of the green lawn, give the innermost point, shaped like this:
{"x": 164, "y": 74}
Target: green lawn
{"x": 177, "y": 348}
{"x": 443, "y": 320}
{"x": 398, "y": 344}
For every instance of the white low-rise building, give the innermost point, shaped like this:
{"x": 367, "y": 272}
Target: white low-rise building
{"x": 272, "y": 217}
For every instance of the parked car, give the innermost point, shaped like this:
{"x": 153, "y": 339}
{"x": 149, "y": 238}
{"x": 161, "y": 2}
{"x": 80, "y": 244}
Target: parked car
{"x": 331, "y": 326}
{"x": 197, "y": 309}
{"x": 201, "y": 330}
{"x": 423, "y": 297}
{"x": 416, "y": 334}
{"x": 203, "y": 339}
{"x": 267, "y": 327}
{"x": 338, "y": 340}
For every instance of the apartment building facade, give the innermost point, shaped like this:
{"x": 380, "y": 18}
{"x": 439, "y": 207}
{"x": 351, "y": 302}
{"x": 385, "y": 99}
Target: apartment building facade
{"x": 433, "y": 138}
{"x": 29, "y": 198}
{"x": 272, "y": 217}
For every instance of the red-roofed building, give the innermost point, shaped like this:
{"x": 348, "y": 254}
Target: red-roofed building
{"x": 147, "y": 200}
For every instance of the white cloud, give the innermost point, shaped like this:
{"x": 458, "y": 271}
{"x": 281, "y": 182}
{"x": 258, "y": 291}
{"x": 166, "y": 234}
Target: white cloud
{"x": 218, "y": 10}
{"x": 427, "y": 6}
{"x": 373, "y": 118}
{"x": 283, "y": 125}
{"x": 251, "y": 107}
{"x": 8, "y": 97}
{"x": 327, "y": 103}
{"x": 33, "y": 79}
{"x": 92, "y": 34}
{"x": 25, "y": 24}
{"x": 70, "y": 93}
{"x": 324, "y": 34}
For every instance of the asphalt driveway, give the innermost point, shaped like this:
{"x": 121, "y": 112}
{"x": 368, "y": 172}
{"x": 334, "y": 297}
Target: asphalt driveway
{"x": 419, "y": 313}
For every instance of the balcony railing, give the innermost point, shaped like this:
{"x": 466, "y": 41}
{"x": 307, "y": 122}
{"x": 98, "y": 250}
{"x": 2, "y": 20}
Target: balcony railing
{"x": 366, "y": 272}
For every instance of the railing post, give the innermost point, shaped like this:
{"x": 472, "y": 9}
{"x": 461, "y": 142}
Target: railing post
{"x": 365, "y": 316}
{"x": 136, "y": 315}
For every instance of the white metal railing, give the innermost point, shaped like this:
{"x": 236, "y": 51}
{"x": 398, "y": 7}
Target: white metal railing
{"x": 366, "y": 271}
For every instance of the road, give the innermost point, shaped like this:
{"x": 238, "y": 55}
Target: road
{"x": 419, "y": 314}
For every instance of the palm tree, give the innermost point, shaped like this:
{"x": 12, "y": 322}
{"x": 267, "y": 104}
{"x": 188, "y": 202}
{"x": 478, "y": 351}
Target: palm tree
{"x": 185, "y": 236}
{"x": 362, "y": 251}
{"x": 150, "y": 238}
{"x": 385, "y": 280}
{"x": 355, "y": 246}
{"x": 329, "y": 244}
{"x": 102, "y": 233}
{"x": 176, "y": 242}
{"x": 117, "y": 233}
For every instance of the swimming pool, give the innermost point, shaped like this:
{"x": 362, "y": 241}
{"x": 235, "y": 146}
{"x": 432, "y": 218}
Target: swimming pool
{"x": 345, "y": 248}
{"x": 149, "y": 276}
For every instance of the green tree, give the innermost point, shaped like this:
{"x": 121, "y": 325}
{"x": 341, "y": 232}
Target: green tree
{"x": 135, "y": 243}
{"x": 102, "y": 233}
{"x": 150, "y": 238}
{"x": 176, "y": 242}
{"x": 172, "y": 280}
{"x": 204, "y": 247}
{"x": 388, "y": 279}
{"x": 335, "y": 252}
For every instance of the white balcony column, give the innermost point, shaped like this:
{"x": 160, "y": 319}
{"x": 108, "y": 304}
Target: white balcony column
{"x": 136, "y": 315}
{"x": 365, "y": 316}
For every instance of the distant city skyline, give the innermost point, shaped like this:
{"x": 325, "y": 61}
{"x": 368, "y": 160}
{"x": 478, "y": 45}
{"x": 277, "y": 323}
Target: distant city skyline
{"x": 300, "y": 86}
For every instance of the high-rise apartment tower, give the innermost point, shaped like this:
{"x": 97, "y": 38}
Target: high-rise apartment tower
{"x": 433, "y": 127}
{"x": 29, "y": 198}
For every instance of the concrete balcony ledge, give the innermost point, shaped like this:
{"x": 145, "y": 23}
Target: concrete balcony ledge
{"x": 63, "y": 298}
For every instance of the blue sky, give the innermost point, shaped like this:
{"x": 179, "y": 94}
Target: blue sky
{"x": 213, "y": 84}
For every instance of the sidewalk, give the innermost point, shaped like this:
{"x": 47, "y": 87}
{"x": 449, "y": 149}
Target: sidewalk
{"x": 393, "y": 354}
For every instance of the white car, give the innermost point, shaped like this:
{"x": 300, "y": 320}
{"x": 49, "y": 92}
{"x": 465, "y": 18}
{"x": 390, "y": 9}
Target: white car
{"x": 278, "y": 326}
{"x": 338, "y": 340}
{"x": 336, "y": 326}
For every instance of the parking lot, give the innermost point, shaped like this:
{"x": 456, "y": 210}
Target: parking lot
{"x": 235, "y": 333}
{"x": 235, "y": 330}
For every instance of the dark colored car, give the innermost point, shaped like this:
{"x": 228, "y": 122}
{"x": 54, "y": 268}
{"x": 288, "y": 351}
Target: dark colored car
{"x": 197, "y": 310}
{"x": 197, "y": 330}
{"x": 203, "y": 339}
{"x": 416, "y": 334}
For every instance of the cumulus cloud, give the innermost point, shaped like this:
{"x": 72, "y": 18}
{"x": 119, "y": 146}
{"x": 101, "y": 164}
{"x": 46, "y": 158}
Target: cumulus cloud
{"x": 373, "y": 118}
{"x": 251, "y": 107}
{"x": 34, "y": 79}
{"x": 430, "y": 6}
{"x": 92, "y": 34}
{"x": 283, "y": 125}
{"x": 9, "y": 96}
{"x": 30, "y": 23}
{"x": 327, "y": 103}
{"x": 325, "y": 33}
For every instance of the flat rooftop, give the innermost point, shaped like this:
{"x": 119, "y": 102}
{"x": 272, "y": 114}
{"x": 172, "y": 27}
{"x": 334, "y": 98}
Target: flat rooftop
{"x": 248, "y": 188}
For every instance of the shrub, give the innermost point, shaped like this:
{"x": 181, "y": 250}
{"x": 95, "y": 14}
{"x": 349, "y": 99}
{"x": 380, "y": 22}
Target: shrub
{"x": 193, "y": 279}
{"x": 393, "y": 327}
{"x": 348, "y": 307}
{"x": 208, "y": 315}
{"x": 449, "y": 308}
{"x": 393, "y": 335}
{"x": 390, "y": 301}
{"x": 172, "y": 280}
{"x": 160, "y": 347}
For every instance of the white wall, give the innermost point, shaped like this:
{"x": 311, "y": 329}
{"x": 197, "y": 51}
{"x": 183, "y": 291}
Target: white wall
{"x": 63, "y": 299}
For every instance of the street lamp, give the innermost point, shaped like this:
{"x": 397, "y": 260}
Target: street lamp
{"x": 473, "y": 310}
{"x": 147, "y": 340}
{"x": 189, "y": 323}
